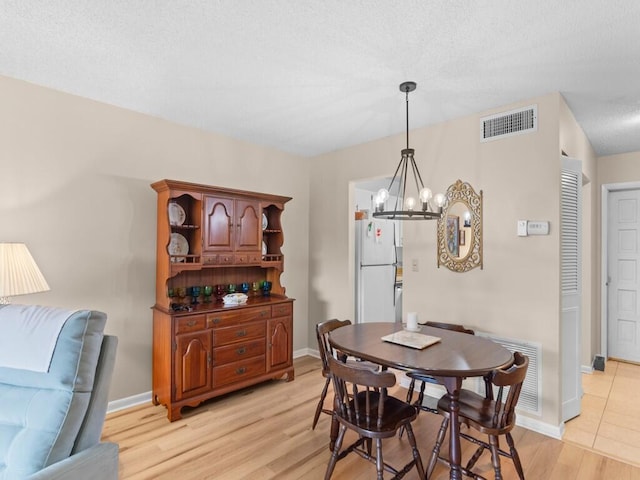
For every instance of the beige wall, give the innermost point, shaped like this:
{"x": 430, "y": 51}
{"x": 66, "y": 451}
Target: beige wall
{"x": 516, "y": 295}
{"x": 619, "y": 168}
{"x": 74, "y": 186}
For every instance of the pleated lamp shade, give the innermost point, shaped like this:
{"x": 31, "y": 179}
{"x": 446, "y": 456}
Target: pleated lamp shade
{"x": 19, "y": 273}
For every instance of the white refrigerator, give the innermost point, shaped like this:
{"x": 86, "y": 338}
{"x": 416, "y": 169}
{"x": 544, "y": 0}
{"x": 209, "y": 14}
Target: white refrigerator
{"x": 376, "y": 263}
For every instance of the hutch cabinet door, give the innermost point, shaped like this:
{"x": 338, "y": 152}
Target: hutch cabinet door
{"x": 193, "y": 364}
{"x": 217, "y": 224}
{"x": 248, "y": 225}
{"x": 280, "y": 331}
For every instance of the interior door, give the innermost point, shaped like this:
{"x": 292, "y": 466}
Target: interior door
{"x": 571, "y": 286}
{"x": 623, "y": 319}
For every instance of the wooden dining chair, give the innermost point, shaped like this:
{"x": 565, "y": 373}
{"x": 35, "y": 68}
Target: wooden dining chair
{"x": 488, "y": 416}
{"x": 324, "y": 348}
{"x": 364, "y": 406}
{"x": 426, "y": 379}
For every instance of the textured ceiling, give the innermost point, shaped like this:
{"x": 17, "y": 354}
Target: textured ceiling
{"x": 312, "y": 77}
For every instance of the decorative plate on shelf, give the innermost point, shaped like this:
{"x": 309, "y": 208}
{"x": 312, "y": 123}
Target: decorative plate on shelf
{"x": 178, "y": 246}
{"x": 265, "y": 222}
{"x": 176, "y": 214}
{"x": 264, "y": 249}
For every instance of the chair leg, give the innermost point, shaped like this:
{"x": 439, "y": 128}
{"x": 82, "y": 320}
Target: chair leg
{"x": 412, "y": 386}
{"x": 409, "y": 400}
{"x": 334, "y": 454}
{"x": 379, "y": 459}
{"x": 423, "y": 385}
{"x": 320, "y": 403}
{"x": 495, "y": 455}
{"x": 436, "y": 448}
{"x": 416, "y": 454}
{"x": 514, "y": 456}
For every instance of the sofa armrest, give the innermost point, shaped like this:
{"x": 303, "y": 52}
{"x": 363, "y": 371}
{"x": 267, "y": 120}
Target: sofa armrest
{"x": 99, "y": 462}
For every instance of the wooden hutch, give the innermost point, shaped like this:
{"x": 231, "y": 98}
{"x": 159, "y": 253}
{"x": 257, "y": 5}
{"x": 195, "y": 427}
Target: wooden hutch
{"x": 211, "y": 236}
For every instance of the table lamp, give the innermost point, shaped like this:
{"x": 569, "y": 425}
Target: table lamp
{"x": 19, "y": 273}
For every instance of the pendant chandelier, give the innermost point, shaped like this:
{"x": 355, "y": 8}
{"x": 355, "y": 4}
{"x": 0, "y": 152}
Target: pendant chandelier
{"x": 406, "y": 206}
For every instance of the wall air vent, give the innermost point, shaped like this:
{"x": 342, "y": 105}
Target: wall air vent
{"x": 507, "y": 124}
{"x": 530, "y": 395}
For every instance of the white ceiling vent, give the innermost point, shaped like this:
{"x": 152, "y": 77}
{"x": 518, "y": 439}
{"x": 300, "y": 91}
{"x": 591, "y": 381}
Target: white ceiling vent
{"x": 507, "y": 124}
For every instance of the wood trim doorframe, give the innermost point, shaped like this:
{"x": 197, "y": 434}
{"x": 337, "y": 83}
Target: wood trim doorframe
{"x": 604, "y": 249}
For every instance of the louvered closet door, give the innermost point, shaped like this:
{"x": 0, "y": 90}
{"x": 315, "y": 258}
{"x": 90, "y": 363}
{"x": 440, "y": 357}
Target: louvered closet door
{"x": 571, "y": 286}
{"x": 623, "y": 323}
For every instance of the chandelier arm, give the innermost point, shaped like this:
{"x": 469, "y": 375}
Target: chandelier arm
{"x": 416, "y": 175}
{"x": 405, "y": 171}
{"x": 398, "y": 175}
{"x": 395, "y": 175}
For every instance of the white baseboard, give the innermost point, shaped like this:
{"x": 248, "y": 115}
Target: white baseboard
{"x": 140, "y": 398}
{"x": 553, "y": 431}
{"x": 132, "y": 401}
{"x": 306, "y": 352}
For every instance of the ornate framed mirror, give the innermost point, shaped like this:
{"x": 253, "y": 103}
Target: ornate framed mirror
{"x": 460, "y": 229}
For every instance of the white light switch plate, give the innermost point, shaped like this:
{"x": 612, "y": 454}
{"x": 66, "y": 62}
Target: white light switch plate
{"x": 522, "y": 228}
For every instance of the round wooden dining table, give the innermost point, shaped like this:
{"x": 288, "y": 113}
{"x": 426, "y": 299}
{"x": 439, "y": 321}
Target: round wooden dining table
{"x": 455, "y": 357}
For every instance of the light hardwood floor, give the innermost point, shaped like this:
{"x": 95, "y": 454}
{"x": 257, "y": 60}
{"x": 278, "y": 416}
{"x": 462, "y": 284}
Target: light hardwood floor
{"x": 264, "y": 432}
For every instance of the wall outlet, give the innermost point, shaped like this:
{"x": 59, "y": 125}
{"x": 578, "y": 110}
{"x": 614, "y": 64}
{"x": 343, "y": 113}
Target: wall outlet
{"x": 414, "y": 265}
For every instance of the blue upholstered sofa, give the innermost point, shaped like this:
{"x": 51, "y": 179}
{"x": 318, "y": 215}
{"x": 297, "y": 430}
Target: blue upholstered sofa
{"x": 55, "y": 370}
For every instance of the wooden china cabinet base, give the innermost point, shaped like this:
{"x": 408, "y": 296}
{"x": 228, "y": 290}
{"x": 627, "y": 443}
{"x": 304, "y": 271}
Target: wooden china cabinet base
{"x": 214, "y": 350}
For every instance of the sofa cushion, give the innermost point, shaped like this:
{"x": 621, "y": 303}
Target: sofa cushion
{"x": 41, "y": 412}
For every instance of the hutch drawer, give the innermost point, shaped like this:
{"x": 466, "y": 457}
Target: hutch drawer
{"x": 192, "y": 323}
{"x": 238, "y": 351}
{"x": 238, "y": 371}
{"x": 282, "y": 310}
{"x": 237, "y": 333}
{"x": 224, "y": 319}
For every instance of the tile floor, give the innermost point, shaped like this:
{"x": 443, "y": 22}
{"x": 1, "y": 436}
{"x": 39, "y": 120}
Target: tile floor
{"x": 610, "y": 418}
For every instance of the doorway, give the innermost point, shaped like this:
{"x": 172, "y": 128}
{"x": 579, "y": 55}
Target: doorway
{"x": 621, "y": 272}
{"x": 378, "y": 272}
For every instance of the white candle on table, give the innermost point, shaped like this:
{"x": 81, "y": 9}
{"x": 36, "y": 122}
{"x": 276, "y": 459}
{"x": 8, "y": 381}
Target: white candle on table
{"x": 412, "y": 320}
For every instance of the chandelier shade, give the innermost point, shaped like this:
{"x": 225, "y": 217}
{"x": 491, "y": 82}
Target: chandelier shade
{"x": 407, "y": 181}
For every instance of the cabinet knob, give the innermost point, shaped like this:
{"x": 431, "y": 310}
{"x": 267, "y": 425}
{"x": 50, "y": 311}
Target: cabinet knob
{"x": 241, "y": 351}
{"x": 216, "y": 320}
{"x": 191, "y": 323}
{"x": 240, "y": 370}
{"x": 241, "y": 333}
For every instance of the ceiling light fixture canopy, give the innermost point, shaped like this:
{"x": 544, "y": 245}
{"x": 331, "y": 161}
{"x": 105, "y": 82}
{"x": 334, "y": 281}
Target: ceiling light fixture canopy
{"x": 406, "y": 206}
